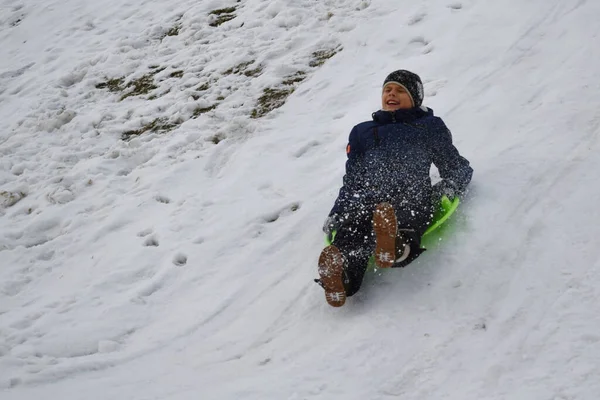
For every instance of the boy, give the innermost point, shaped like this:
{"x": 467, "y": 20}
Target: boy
{"x": 386, "y": 201}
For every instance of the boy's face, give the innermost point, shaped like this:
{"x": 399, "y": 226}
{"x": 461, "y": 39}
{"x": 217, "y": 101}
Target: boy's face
{"x": 395, "y": 97}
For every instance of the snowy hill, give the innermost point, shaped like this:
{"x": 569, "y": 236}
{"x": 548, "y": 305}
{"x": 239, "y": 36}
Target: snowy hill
{"x": 166, "y": 167}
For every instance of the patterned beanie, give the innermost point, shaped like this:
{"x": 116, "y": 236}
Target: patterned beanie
{"x": 410, "y": 81}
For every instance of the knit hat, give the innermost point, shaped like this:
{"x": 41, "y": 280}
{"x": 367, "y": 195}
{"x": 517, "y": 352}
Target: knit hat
{"x": 409, "y": 81}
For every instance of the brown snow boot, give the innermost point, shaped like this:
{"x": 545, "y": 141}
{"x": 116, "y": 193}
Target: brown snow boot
{"x": 332, "y": 275}
{"x": 385, "y": 226}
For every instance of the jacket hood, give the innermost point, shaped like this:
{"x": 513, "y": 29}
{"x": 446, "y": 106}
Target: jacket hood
{"x": 402, "y": 115}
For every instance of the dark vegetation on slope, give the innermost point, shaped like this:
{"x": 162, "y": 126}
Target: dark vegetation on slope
{"x": 271, "y": 98}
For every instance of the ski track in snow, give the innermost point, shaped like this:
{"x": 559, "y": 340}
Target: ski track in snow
{"x": 179, "y": 264}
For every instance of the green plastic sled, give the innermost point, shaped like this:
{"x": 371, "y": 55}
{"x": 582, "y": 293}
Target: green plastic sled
{"x": 445, "y": 210}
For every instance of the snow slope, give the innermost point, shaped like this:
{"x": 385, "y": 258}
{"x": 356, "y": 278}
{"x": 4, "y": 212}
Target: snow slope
{"x": 179, "y": 264}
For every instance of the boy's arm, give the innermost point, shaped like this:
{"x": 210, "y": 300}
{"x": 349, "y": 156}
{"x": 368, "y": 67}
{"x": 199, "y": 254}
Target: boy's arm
{"x": 352, "y": 190}
{"x": 454, "y": 169}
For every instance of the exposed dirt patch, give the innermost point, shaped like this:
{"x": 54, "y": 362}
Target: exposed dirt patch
{"x": 320, "y": 56}
{"x": 271, "y": 99}
{"x": 158, "y": 125}
{"x": 222, "y": 15}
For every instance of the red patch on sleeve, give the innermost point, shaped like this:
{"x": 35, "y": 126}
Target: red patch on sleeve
{"x": 348, "y": 149}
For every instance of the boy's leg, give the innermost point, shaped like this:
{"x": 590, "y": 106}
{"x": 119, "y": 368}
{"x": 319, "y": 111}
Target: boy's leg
{"x": 398, "y": 229}
{"x": 356, "y": 242}
{"x": 411, "y": 226}
{"x": 408, "y": 247}
{"x": 344, "y": 262}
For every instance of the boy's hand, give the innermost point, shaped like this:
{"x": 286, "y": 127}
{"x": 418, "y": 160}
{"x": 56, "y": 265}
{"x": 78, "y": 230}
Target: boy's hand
{"x": 333, "y": 223}
{"x": 443, "y": 188}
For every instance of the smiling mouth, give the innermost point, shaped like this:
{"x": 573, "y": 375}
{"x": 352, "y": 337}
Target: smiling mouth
{"x": 392, "y": 103}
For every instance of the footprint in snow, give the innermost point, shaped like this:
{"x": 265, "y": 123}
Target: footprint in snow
{"x": 16, "y": 19}
{"x": 272, "y": 217}
{"x": 419, "y": 44}
{"x": 180, "y": 259}
{"x": 144, "y": 232}
{"x": 151, "y": 287}
{"x": 415, "y": 19}
{"x": 433, "y": 87}
{"x": 363, "y": 5}
{"x": 162, "y": 199}
{"x": 480, "y": 325}
{"x": 306, "y": 148}
{"x": 151, "y": 241}
{"x": 27, "y": 321}
{"x": 13, "y": 382}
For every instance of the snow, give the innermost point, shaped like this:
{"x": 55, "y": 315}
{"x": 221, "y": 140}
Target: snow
{"x": 179, "y": 264}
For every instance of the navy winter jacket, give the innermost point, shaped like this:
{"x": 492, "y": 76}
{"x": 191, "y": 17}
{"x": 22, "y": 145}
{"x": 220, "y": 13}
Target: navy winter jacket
{"x": 389, "y": 159}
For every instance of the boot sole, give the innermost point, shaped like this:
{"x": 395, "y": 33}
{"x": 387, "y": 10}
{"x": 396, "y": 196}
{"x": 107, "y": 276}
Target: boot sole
{"x": 331, "y": 271}
{"x": 385, "y": 226}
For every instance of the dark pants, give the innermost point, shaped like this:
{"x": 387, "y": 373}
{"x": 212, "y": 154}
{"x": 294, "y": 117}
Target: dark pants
{"x": 356, "y": 239}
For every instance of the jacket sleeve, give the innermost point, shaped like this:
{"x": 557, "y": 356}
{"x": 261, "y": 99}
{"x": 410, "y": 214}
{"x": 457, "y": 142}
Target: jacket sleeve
{"x": 454, "y": 169}
{"x": 351, "y": 193}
